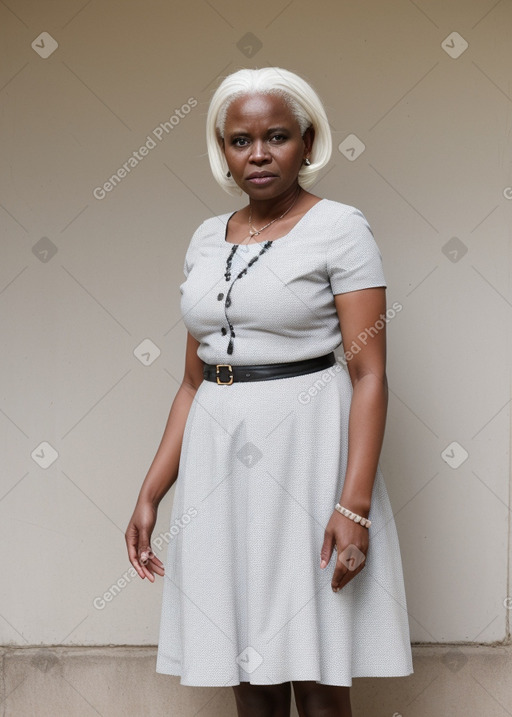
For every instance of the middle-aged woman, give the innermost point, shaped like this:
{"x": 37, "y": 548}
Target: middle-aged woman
{"x": 283, "y": 564}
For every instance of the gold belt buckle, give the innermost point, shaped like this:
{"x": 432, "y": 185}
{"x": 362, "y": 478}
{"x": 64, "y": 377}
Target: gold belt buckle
{"x": 224, "y": 365}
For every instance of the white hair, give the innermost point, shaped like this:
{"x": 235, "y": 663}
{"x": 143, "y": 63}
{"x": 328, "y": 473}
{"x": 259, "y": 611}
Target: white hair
{"x": 303, "y": 101}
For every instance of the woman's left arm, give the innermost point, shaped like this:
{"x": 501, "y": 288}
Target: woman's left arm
{"x": 362, "y": 316}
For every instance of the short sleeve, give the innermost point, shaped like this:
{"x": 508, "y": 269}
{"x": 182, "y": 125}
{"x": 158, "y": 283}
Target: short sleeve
{"x": 354, "y": 261}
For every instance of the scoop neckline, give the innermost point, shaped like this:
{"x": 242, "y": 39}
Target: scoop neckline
{"x": 323, "y": 199}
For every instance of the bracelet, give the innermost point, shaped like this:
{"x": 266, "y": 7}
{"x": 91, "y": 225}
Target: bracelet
{"x": 353, "y": 516}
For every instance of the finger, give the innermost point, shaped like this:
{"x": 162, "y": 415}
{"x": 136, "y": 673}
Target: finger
{"x": 157, "y": 561}
{"x": 140, "y": 558}
{"x": 150, "y": 575}
{"x": 153, "y": 564}
{"x": 146, "y": 556}
{"x": 159, "y": 569}
{"x": 327, "y": 547}
{"x": 144, "y": 547}
{"x": 151, "y": 567}
{"x": 138, "y": 567}
{"x": 349, "y": 575}
{"x": 350, "y": 562}
{"x": 148, "y": 571}
{"x": 132, "y": 543}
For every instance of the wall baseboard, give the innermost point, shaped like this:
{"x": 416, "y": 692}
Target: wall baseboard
{"x": 121, "y": 681}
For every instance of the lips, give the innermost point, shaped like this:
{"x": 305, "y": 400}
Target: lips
{"x": 260, "y": 175}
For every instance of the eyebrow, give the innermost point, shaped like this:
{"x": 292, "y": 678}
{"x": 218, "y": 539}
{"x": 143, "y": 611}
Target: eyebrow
{"x": 269, "y": 131}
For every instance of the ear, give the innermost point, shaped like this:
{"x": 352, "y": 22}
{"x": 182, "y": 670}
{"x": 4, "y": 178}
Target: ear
{"x": 308, "y": 138}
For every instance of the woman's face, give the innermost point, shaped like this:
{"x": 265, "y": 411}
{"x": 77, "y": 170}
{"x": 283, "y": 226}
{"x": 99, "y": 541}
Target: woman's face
{"x": 263, "y": 146}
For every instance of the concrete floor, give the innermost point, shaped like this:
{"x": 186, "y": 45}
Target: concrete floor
{"x": 454, "y": 681}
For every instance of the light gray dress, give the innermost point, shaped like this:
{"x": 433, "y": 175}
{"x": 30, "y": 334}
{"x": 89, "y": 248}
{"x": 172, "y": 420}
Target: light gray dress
{"x": 262, "y": 466}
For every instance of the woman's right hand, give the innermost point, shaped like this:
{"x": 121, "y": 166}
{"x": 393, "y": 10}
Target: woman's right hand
{"x": 138, "y": 542}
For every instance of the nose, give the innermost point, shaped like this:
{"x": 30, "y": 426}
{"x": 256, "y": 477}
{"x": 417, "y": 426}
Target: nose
{"x": 259, "y": 152}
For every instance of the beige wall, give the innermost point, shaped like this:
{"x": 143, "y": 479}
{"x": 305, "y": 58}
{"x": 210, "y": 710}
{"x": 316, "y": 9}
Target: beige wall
{"x": 85, "y": 280}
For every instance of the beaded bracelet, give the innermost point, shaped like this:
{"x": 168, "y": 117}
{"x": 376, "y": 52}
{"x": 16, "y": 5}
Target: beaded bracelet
{"x": 353, "y": 516}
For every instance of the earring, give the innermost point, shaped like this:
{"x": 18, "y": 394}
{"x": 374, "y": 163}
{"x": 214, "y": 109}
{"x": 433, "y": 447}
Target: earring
{"x": 228, "y": 174}
{"x": 307, "y": 162}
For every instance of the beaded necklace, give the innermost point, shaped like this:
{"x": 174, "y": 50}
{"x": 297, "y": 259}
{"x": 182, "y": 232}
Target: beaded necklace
{"x": 227, "y": 273}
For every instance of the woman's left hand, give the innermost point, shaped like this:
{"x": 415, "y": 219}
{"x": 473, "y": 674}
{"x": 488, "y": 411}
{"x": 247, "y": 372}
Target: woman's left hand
{"x": 351, "y": 540}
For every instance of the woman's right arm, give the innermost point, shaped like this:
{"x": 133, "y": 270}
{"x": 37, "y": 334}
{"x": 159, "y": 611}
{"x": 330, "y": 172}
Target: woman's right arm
{"x": 163, "y": 471}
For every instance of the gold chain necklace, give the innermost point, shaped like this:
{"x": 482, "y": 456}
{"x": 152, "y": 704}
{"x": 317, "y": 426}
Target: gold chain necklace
{"x": 253, "y": 232}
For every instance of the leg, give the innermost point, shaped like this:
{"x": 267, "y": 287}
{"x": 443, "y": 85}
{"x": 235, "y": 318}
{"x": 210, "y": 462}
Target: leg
{"x": 315, "y": 700}
{"x": 263, "y": 700}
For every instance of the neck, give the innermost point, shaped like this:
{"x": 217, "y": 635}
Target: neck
{"x": 265, "y": 209}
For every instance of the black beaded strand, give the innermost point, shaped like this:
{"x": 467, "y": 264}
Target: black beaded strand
{"x": 228, "y": 262}
{"x": 227, "y": 274}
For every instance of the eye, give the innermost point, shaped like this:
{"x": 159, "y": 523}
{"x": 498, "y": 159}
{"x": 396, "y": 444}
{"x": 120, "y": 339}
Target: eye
{"x": 279, "y": 137}
{"x": 239, "y": 141}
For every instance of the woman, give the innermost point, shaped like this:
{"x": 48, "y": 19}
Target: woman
{"x": 283, "y": 564}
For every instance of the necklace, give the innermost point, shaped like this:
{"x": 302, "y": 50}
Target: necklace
{"x": 227, "y": 274}
{"x": 256, "y": 232}
{"x": 253, "y": 232}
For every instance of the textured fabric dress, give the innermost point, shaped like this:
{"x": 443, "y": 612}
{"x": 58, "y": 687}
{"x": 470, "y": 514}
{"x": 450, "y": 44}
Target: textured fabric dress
{"x": 262, "y": 466}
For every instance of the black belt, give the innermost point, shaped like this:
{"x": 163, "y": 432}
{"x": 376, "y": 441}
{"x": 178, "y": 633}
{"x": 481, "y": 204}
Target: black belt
{"x": 225, "y": 374}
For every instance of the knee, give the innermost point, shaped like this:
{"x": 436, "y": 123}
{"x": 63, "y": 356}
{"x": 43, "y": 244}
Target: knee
{"x": 262, "y": 700}
{"x": 314, "y": 705}
{"x": 323, "y": 701}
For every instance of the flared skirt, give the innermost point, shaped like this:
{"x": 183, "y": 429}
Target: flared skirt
{"x": 244, "y": 598}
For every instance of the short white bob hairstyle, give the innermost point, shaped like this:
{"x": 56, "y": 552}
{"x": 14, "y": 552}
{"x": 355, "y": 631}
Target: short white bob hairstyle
{"x": 302, "y": 100}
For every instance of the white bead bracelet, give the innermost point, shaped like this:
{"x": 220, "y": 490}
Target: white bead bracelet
{"x": 353, "y": 516}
